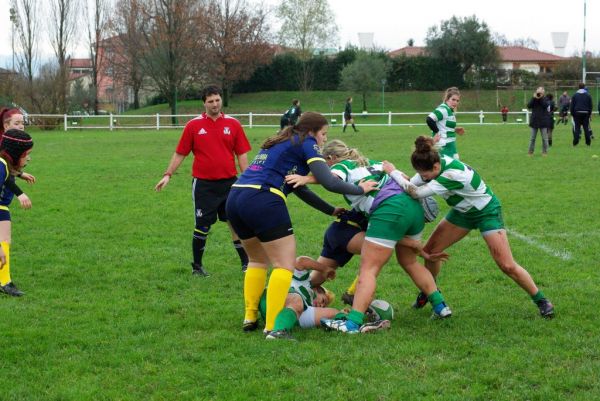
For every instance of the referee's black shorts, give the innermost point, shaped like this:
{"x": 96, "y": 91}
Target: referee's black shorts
{"x": 209, "y": 198}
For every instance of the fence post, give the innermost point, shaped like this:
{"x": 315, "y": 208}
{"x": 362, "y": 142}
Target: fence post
{"x": 110, "y": 123}
{"x": 389, "y": 118}
{"x": 157, "y": 121}
{"x": 481, "y": 117}
{"x": 250, "y": 119}
{"x": 65, "y": 122}
{"x": 526, "y": 116}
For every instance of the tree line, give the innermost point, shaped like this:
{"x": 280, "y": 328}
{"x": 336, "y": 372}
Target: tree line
{"x": 174, "y": 47}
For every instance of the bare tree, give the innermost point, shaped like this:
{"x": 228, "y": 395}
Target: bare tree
{"x": 171, "y": 42}
{"x": 62, "y": 29}
{"x": 126, "y": 24}
{"x": 237, "y": 41}
{"x": 306, "y": 25}
{"x": 26, "y": 29}
{"x": 96, "y": 30}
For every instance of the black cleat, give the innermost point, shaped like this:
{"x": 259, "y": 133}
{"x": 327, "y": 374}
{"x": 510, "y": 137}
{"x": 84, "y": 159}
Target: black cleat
{"x": 11, "y": 290}
{"x": 244, "y": 268}
{"x": 546, "y": 308}
{"x": 198, "y": 270}
{"x": 250, "y": 325}
{"x": 421, "y": 300}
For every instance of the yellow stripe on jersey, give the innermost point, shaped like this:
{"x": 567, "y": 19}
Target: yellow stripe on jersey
{"x": 255, "y": 186}
{"x": 348, "y": 222}
{"x": 314, "y": 159}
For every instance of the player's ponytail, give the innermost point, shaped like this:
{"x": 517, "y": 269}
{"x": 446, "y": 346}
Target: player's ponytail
{"x": 425, "y": 154}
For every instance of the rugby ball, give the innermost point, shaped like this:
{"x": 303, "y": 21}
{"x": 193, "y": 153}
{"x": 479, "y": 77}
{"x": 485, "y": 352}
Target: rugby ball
{"x": 431, "y": 208}
{"x": 380, "y": 310}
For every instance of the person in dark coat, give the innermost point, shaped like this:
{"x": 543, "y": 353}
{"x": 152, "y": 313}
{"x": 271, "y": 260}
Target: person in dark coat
{"x": 581, "y": 110}
{"x": 540, "y": 120}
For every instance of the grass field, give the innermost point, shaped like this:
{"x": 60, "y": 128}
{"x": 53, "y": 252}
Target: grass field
{"x": 113, "y": 313}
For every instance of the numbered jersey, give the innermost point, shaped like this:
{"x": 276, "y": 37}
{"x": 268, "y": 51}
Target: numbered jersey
{"x": 461, "y": 186}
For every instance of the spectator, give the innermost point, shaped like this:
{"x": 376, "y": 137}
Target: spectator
{"x": 551, "y": 110}
{"x": 563, "y": 103}
{"x": 581, "y": 110}
{"x": 540, "y": 120}
{"x": 214, "y": 138}
{"x": 504, "y": 112}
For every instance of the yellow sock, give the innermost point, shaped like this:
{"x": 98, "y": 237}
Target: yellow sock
{"x": 255, "y": 279}
{"x": 5, "y": 270}
{"x": 352, "y": 289}
{"x": 279, "y": 285}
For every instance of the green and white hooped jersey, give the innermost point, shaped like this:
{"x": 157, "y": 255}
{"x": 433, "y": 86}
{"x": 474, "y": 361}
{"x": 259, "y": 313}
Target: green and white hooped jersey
{"x": 445, "y": 120}
{"x": 301, "y": 286}
{"x": 461, "y": 186}
{"x": 351, "y": 172}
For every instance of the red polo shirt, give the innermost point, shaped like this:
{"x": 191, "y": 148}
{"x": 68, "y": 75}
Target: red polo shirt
{"x": 214, "y": 145}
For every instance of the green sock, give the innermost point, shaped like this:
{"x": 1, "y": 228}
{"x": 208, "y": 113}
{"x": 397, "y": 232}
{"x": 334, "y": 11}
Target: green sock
{"x": 435, "y": 298}
{"x": 285, "y": 320}
{"x": 538, "y": 296}
{"x": 356, "y": 316}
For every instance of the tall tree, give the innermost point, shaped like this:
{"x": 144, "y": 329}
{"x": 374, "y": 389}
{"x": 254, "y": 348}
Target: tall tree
{"x": 126, "y": 25}
{"x": 364, "y": 75}
{"x": 62, "y": 28}
{"x": 27, "y": 28}
{"x": 172, "y": 45}
{"x": 96, "y": 11}
{"x": 237, "y": 41}
{"x": 464, "y": 41}
{"x": 305, "y": 26}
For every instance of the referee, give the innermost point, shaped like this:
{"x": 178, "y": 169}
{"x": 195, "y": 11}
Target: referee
{"x": 216, "y": 140}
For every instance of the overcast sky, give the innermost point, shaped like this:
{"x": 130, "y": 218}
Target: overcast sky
{"x": 393, "y": 22}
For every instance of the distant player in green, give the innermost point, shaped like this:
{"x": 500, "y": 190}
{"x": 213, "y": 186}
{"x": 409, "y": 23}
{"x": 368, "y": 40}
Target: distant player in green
{"x": 473, "y": 206}
{"x": 442, "y": 122}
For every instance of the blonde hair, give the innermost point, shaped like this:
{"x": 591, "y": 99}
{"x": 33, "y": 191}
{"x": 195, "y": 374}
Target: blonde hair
{"x": 340, "y": 151}
{"x": 328, "y": 294}
{"x": 451, "y": 92}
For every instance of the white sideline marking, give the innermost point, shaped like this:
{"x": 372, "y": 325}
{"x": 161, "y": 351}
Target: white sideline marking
{"x": 564, "y": 255}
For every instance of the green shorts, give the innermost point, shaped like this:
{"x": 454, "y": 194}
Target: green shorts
{"x": 449, "y": 149}
{"x": 487, "y": 219}
{"x": 396, "y": 217}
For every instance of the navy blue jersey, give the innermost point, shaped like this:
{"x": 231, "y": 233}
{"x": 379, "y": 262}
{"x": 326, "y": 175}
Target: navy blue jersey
{"x": 6, "y": 195}
{"x": 270, "y": 166}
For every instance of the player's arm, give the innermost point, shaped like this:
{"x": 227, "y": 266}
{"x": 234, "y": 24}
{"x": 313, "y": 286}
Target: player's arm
{"x": 297, "y": 180}
{"x": 174, "y": 164}
{"x": 242, "y": 161}
{"x": 431, "y": 123}
{"x": 307, "y": 263}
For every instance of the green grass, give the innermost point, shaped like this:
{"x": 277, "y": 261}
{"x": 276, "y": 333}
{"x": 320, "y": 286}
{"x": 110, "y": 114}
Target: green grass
{"x": 113, "y": 313}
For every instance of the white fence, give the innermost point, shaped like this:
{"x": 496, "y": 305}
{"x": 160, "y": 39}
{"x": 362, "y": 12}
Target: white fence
{"x": 250, "y": 120}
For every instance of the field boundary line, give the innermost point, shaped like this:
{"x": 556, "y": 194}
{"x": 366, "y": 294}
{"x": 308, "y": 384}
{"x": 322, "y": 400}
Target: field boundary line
{"x": 564, "y": 255}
